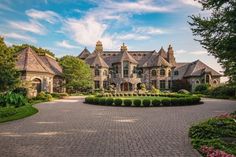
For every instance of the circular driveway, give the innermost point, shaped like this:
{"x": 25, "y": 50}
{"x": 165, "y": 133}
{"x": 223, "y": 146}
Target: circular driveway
{"x": 69, "y": 127}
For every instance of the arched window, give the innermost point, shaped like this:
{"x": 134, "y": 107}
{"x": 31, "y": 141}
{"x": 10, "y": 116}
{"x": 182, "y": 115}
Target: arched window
{"x": 207, "y": 79}
{"x": 197, "y": 82}
{"x": 162, "y": 72}
{"x": 214, "y": 82}
{"x": 154, "y": 72}
{"x": 169, "y": 73}
{"x": 105, "y": 72}
{"x": 96, "y": 72}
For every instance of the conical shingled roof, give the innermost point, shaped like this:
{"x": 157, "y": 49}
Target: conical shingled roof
{"x": 84, "y": 54}
{"x": 156, "y": 60}
{"x": 28, "y": 60}
{"x": 197, "y": 68}
{"x": 96, "y": 59}
{"x": 125, "y": 56}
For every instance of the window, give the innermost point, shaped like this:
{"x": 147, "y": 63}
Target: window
{"x": 169, "y": 84}
{"x": 105, "y": 72}
{"x": 134, "y": 70}
{"x": 162, "y": 84}
{"x": 96, "y": 72}
{"x": 197, "y": 82}
{"x": 105, "y": 84}
{"x": 97, "y": 84}
{"x": 115, "y": 69}
{"x": 176, "y": 73}
{"x": 126, "y": 68}
{"x": 169, "y": 73}
{"x": 214, "y": 82}
{"x": 207, "y": 79}
{"x": 162, "y": 72}
{"x": 154, "y": 73}
{"x": 139, "y": 72}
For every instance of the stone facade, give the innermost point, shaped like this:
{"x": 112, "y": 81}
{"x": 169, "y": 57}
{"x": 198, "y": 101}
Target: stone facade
{"x": 126, "y": 70}
{"x": 42, "y": 71}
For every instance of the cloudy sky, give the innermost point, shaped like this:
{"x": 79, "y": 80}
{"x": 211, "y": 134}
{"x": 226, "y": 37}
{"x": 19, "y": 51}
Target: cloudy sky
{"x": 67, "y": 26}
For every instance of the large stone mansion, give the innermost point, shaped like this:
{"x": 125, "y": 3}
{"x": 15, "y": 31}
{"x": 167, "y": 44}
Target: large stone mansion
{"x": 127, "y": 70}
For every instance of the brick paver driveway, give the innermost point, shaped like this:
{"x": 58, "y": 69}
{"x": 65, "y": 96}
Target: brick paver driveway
{"x": 71, "y": 128}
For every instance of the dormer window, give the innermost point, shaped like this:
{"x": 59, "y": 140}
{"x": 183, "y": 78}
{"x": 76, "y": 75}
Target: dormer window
{"x": 162, "y": 72}
{"x": 96, "y": 72}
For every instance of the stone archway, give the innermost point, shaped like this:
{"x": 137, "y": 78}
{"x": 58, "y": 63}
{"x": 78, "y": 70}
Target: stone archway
{"x": 126, "y": 86}
{"x": 37, "y": 85}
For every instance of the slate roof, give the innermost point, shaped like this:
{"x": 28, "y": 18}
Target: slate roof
{"x": 96, "y": 59}
{"x": 162, "y": 53}
{"x": 28, "y": 60}
{"x": 197, "y": 68}
{"x": 156, "y": 60}
{"x": 124, "y": 56}
{"x": 84, "y": 54}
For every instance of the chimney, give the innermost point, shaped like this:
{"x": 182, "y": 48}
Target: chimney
{"x": 123, "y": 48}
{"x": 170, "y": 55}
{"x": 99, "y": 47}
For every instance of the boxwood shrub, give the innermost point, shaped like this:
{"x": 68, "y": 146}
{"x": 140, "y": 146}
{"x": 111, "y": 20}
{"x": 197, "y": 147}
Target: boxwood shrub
{"x": 166, "y": 102}
{"x": 89, "y": 100}
{"x": 146, "y": 102}
{"x": 102, "y": 101}
{"x": 109, "y": 101}
{"x": 137, "y": 102}
{"x": 127, "y": 102}
{"x": 156, "y": 102}
{"x": 118, "y": 102}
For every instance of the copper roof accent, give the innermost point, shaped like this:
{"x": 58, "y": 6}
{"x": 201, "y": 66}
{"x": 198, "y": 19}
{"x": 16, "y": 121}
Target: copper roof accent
{"x": 162, "y": 53}
{"x": 28, "y": 60}
{"x": 156, "y": 60}
{"x": 198, "y": 68}
{"x": 96, "y": 59}
{"x": 84, "y": 54}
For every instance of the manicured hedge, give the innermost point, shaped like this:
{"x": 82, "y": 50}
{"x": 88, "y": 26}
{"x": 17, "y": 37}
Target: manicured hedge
{"x": 168, "y": 101}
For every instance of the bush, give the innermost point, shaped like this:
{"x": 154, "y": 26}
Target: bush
{"x": 146, "y": 102}
{"x": 102, "y": 101}
{"x": 166, "y": 102}
{"x": 43, "y": 96}
{"x": 202, "y": 88}
{"x": 223, "y": 91}
{"x": 21, "y": 90}
{"x": 155, "y": 90}
{"x": 96, "y": 100}
{"x": 12, "y": 99}
{"x": 156, "y": 102}
{"x": 127, "y": 102}
{"x": 89, "y": 100}
{"x": 137, "y": 102}
{"x": 109, "y": 101}
{"x": 183, "y": 91}
{"x": 134, "y": 94}
{"x": 7, "y": 111}
{"x": 118, "y": 102}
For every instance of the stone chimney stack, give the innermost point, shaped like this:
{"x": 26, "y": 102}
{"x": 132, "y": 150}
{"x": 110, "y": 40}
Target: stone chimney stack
{"x": 170, "y": 55}
{"x": 99, "y": 47}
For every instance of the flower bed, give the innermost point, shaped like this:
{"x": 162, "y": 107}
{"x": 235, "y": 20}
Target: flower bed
{"x": 215, "y": 137}
{"x": 144, "y": 101}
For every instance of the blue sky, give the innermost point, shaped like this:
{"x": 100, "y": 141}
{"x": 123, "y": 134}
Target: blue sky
{"x": 67, "y": 26}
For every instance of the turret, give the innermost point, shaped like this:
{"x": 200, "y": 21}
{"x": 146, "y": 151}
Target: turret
{"x": 170, "y": 55}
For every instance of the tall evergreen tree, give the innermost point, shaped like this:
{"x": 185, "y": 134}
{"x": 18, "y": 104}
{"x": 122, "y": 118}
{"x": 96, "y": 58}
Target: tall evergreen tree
{"x": 77, "y": 74}
{"x": 217, "y": 32}
{"x": 9, "y": 76}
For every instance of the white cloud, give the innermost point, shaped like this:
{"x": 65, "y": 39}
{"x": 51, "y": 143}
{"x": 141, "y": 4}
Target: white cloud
{"x": 149, "y": 30}
{"x": 87, "y": 31}
{"x": 132, "y": 36}
{"x": 7, "y": 8}
{"x": 193, "y": 3}
{"x": 48, "y": 16}
{"x": 31, "y": 26}
{"x": 19, "y": 37}
{"x": 180, "y": 52}
{"x": 66, "y": 44}
{"x": 197, "y": 52}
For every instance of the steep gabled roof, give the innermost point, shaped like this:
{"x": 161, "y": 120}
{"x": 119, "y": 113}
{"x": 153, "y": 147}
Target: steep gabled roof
{"x": 84, "y": 54}
{"x": 125, "y": 56}
{"x": 96, "y": 59}
{"x": 162, "y": 53}
{"x": 198, "y": 68}
{"x": 156, "y": 60}
{"x": 28, "y": 60}
{"x": 52, "y": 64}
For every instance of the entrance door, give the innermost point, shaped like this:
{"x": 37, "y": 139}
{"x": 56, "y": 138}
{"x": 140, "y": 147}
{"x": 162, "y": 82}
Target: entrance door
{"x": 126, "y": 86}
{"x": 37, "y": 85}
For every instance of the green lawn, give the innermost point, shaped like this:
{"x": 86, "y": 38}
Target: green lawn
{"x": 21, "y": 112}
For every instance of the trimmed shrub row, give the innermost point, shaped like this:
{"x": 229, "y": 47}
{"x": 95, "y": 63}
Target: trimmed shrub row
{"x": 191, "y": 100}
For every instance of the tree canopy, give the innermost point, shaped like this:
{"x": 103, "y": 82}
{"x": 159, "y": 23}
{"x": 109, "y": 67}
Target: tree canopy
{"x": 17, "y": 48}
{"x": 9, "y": 76}
{"x": 77, "y": 74}
{"x": 217, "y": 32}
